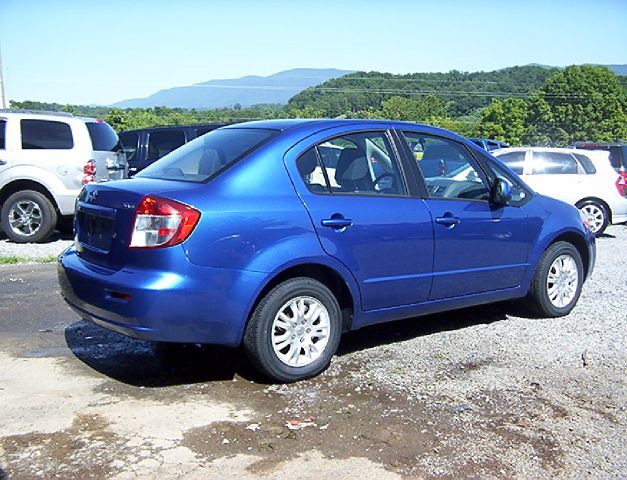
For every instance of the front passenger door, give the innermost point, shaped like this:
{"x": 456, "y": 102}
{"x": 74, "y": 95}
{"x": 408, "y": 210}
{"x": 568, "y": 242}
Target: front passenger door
{"x": 479, "y": 246}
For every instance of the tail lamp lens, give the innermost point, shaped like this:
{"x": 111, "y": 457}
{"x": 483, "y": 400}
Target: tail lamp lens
{"x": 161, "y": 222}
{"x": 89, "y": 172}
{"x": 621, "y": 183}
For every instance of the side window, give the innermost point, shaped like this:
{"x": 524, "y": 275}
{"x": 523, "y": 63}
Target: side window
{"x": 130, "y": 144}
{"x": 551, "y": 163}
{"x": 586, "y": 164}
{"x": 311, "y": 172}
{"x": 3, "y": 125}
{"x": 361, "y": 163}
{"x": 514, "y": 160}
{"x": 448, "y": 168}
{"x": 163, "y": 142}
{"x": 46, "y": 134}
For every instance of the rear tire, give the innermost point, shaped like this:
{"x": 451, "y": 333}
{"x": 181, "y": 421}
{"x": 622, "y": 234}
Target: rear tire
{"x": 597, "y": 215}
{"x": 28, "y": 216}
{"x": 294, "y": 331}
{"x": 558, "y": 280}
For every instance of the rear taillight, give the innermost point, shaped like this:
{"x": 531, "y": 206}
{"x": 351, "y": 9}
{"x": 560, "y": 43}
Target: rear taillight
{"x": 89, "y": 172}
{"x": 160, "y": 222}
{"x": 621, "y": 183}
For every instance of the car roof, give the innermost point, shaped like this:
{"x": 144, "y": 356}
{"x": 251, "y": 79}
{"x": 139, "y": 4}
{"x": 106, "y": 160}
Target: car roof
{"x": 312, "y": 126}
{"x": 171, "y": 127}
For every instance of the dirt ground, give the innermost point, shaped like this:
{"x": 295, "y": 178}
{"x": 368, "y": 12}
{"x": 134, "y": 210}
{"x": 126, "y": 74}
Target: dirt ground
{"x": 486, "y": 392}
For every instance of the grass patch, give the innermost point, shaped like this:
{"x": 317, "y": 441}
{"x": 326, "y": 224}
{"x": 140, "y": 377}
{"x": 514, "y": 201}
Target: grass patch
{"x": 15, "y": 259}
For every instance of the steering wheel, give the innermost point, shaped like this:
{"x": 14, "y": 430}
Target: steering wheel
{"x": 381, "y": 177}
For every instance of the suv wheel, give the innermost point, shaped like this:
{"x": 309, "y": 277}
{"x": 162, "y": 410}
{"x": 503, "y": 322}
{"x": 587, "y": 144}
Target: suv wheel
{"x": 557, "y": 283}
{"x": 596, "y": 214}
{"x": 294, "y": 331}
{"x": 28, "y": 216}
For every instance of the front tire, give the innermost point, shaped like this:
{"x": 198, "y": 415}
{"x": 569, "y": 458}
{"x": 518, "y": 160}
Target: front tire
{"x": 558, "y": 280}
{"x": 294, "y": 331}
{"x": 28, "y": 216}
{"x": 597, "y": 216}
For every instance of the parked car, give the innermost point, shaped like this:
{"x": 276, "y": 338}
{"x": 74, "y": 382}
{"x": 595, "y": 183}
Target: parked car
{"x": 45, "y": 159}
{"x": 147, "y": 145}
{"x": 575, "y": 177}
{"x": 246, "y": 236}
{"x": 489, "y": 144}
{"x": 617, "y": 151}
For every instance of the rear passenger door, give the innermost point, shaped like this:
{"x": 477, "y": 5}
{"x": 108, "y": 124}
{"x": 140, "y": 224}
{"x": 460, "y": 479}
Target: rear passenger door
{"x": 479, "y": 246}
{"x": 364, "y": 215}
{"x": 162, "y": 142}
{"x": 50, "y": 146}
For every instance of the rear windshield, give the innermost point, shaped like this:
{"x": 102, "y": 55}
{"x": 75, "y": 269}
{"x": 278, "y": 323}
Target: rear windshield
{"x": 205, "y": 156}
{"x": 103, "y": 137}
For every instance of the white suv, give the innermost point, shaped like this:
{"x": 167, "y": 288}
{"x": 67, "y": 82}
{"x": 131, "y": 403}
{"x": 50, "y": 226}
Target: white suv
{"x": 583, "y": 178}
{"x": 45, "y": 159}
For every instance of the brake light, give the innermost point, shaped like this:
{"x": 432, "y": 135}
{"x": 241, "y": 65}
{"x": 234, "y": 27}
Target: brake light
{"x": 89, "y": 172}
{"x": 621, "y": 183}
{"x": 160, "y": 222}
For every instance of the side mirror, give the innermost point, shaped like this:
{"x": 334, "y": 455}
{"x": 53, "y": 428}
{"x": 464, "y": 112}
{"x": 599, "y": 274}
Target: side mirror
{"x": 501, "y": 192}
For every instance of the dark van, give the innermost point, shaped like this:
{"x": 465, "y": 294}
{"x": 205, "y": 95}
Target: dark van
{"x": 146, "y": 145}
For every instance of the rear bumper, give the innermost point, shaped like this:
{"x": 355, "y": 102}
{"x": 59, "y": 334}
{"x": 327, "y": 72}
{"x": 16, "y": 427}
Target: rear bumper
{"x": 191, "y": 305}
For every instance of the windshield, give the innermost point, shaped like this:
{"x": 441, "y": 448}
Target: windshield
{"x": 205, "y": 156}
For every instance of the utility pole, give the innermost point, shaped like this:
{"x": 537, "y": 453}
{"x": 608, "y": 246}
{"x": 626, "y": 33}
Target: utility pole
{"x": 3, "y": 98}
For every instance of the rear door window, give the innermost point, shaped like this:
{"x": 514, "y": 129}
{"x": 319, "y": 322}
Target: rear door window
{"x": 206, "y": 156}
{"x": 103, "y": 137}
{"x": 46, "y": 134}
{"x": 161, "y": 143}
{"x": 360, "y": 163}
{"x": 553, "y": 163}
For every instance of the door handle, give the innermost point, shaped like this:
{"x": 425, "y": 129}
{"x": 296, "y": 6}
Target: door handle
{"x": 3, "y": 162}
{"x": 448, "y": 220}
{"x": 336, "y": 222}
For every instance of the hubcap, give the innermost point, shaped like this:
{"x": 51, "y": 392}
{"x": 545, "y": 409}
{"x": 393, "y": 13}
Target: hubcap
{"x": 562, "y": 281}
{"x": 25, "y": 218}
{"x": 300, "y": 331}
{"x": 595, "y": 216}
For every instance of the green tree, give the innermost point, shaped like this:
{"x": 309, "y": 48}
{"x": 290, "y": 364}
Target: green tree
{"x": 420, "y": 109}
{"x": 505, "y": 120}
{"x": 579, "y": 103}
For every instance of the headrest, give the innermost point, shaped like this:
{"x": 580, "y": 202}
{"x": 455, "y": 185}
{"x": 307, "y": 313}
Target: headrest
{"x": 352, "y": 165}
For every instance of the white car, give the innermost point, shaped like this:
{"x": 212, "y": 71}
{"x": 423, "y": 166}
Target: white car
{"x": 45, "y": 159}
{"x": 583, "y": 178}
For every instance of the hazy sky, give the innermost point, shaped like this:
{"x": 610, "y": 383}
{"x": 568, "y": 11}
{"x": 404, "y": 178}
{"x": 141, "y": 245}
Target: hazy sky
{"x": 104, "y": 51}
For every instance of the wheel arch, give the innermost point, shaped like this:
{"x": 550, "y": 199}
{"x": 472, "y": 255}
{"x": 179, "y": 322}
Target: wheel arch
{"x": 15, "y": 186}
{"x": 579, "y": 242}
{"x": 325, "y": 274}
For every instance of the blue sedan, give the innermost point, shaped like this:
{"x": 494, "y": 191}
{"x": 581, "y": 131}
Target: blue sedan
{"x": 280, "y": 235}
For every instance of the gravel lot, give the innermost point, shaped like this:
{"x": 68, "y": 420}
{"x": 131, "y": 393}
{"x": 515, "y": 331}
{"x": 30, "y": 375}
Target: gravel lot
{"x": 57, "y": 243}
{"x": 485, "y": 392}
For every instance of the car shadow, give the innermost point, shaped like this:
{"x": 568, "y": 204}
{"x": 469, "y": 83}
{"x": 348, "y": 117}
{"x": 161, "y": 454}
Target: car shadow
{"x": 148, "y": 364}
{"x": 400, "y": 330}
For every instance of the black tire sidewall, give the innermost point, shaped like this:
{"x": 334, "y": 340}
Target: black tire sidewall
{"x": 49, "y": 216}
{"x": 258, "y": 336}
{"x": 540, "y": 295}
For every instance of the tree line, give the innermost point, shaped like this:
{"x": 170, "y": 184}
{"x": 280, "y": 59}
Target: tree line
{"x": 519, "y": 105}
